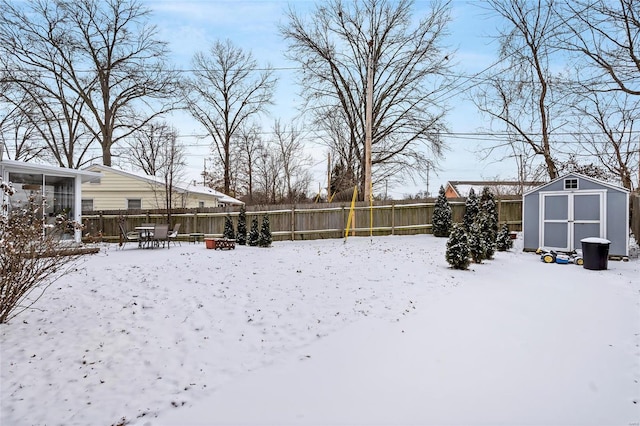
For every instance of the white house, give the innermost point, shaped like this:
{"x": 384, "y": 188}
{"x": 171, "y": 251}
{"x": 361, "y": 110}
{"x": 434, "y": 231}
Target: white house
{"x": 121, "y": 190}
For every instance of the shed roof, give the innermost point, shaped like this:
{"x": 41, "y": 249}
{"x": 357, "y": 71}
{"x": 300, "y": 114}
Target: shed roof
{"x": 580, "y": 176}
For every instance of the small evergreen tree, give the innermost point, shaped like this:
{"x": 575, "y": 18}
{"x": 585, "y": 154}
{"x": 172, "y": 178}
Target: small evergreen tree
{"x": 487, "y": 233}
{"x": 264, "y": 239}
{"x": 254, "y": 234}
{"x": 471, "y": 209}
{"x": 441, "y": 222}
{"x": 477, "y": 248}
{"x": 503, "y": 241}
{"x": 457, "y": 254}
{"x": 241, "y": 235}
{"x": 228, "y": 228}
{"x": 490, "y": 210}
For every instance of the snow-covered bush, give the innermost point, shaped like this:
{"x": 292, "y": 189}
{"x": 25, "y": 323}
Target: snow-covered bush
{"x": 241, "y": 234}
{"x": 471, "y": 209}
{"x": 457, "y": 254}
{"x": 30, "y": 259}
{"x": 254, "y": 233}
{"x": 228, "y": 228}
{"x": 441, "y": 222}
{"x": 264, "y": 239}
{"x": 490, "y": 211}
{"x": 503, "y": 241}
{"x": 477, "y": 245}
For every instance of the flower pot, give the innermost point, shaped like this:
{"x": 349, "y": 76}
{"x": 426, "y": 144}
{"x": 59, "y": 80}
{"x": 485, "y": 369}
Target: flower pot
{"x": 210, "y": 243}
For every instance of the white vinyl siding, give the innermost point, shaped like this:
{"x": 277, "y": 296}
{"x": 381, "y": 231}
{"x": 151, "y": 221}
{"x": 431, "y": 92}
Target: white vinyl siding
{"x": 116, "y": 188}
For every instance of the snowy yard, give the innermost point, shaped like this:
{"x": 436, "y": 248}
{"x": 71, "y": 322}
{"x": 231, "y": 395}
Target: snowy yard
{"x": 374, "y": 331}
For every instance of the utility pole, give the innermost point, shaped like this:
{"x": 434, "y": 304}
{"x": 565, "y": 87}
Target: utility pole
{"x": 428, "y": 164}
{"x": 329, "y": 176}
{"x": 368, "y": 126}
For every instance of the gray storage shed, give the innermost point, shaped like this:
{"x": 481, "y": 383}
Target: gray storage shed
{"x": 559, "y": 214}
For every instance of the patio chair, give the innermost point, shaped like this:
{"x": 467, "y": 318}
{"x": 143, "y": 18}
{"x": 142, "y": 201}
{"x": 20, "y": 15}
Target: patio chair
{"x": 161, "y": 234}
{"x": 173, "y": 235}
{"x": 126, "y": 237}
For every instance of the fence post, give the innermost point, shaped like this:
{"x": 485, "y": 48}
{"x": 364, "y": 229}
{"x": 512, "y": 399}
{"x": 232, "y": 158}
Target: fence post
{"x": 393, "y": 218}
{"x": 195, "y": 222}
{"x": 293, "y": 222}
{"x": 344, "y": 223}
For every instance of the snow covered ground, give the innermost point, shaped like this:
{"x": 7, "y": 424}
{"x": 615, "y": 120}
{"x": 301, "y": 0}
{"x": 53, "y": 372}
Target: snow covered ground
{"x": 371, "y": 331}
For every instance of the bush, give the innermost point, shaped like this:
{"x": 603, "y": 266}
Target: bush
{"x": 471, "y": 210}
{"x": 441, "y": 222}
{"x": 30, "y": 260}
{"x": 264, "y": 240}
{"x": 228, "y": 228}
{"x": 477, "y": 248}
{"x": 241, "y": 235}
{"x": 457, "y": 254}
{"x": 503, "y": 241}
{"x": 490, "y": 212}
{"x": 254, "y": 234}
{"x": 487, "y": 234}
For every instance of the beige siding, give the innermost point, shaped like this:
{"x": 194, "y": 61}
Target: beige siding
{"x": 114, "y": 189}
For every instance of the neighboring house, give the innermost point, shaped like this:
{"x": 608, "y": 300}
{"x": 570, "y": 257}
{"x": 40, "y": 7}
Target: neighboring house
{"x": 120, "y": 190}
{"x": 60, "y": 189}
{"x": 461, "y": 188}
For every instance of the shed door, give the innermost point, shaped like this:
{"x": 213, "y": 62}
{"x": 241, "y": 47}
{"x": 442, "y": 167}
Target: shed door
{"x": 567, "y": 218}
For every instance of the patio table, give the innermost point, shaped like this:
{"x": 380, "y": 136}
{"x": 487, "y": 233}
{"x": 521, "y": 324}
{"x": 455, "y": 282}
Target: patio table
{"x": 146, "y": 236}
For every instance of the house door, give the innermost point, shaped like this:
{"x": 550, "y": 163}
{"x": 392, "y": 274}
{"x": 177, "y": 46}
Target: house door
{"x": 567, "y": 218}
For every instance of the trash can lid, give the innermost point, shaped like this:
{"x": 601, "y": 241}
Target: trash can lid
{"x": 595, "y": 240}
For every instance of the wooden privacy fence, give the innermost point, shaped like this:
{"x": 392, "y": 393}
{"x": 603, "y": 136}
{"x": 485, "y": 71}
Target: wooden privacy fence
{"x": 301, "y": 222}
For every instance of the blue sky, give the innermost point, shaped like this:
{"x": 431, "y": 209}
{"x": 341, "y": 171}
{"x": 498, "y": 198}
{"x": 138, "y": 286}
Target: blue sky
{"x": 191, "y": 26}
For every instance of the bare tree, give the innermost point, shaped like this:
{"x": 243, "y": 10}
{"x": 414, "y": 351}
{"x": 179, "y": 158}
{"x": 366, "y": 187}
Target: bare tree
{"x": 334, "y": 47}
{"x": 603, "y": 36}
{"x": 249, "y": 144}
{"x": 147, "y": 150}
{"x": 98, "y": 61}
{"x": 171, "y": 171}
{"x": 156, "y": 151}
{"x": 606, "y": 33}
{"x": 607, "y": 132}
{"x": 47, "y": 122}
{"x": 227, "y": 91}
{"x": 17, "y": 134}
{"x": 293, "y": 162}
{"x": 268, "y": 176}
{"x": 522, "y": 96}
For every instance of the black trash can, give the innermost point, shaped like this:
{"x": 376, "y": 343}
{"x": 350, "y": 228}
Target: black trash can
{"x": 595, "y": 253}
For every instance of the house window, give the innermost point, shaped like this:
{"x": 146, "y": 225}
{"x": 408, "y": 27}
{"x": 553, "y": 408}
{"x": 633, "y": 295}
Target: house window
{"x": 87, "y": 205}
{"x": 201, "y": 204}
{"x": 134, "y": 204}
{"x": 571, "y": 184}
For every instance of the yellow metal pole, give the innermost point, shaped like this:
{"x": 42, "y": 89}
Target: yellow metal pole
{"x": 351, "y": 213}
